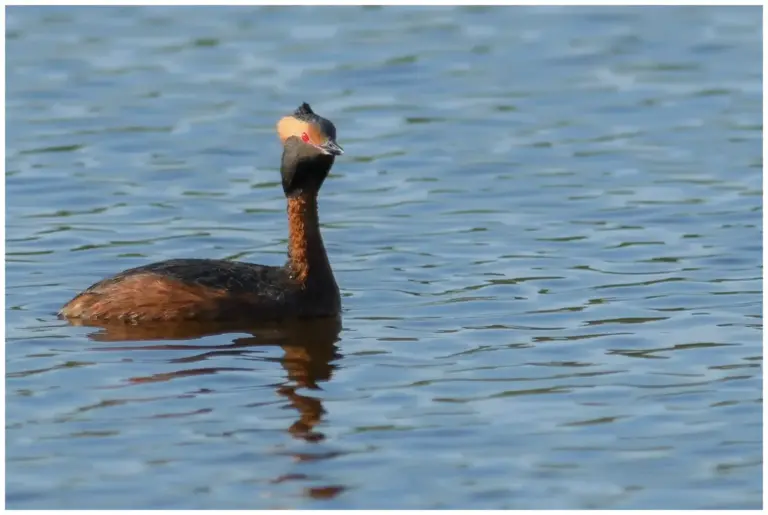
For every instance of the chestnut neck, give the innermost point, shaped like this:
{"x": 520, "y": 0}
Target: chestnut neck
{"x": 307, "y": 258}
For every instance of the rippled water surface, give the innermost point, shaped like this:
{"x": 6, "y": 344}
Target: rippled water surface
{"x": 546, "y": 228}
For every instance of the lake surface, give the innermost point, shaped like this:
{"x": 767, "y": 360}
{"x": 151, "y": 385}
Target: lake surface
{"x": 546, "y": 228}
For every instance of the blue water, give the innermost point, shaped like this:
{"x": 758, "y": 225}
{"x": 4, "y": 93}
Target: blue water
{"x": 546, "y": 228}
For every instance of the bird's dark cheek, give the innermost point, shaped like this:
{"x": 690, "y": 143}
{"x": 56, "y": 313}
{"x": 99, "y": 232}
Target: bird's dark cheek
{"x": 303, "y": 178}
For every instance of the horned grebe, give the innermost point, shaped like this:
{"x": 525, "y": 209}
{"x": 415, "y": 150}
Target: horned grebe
{"x": 216, "y": 290}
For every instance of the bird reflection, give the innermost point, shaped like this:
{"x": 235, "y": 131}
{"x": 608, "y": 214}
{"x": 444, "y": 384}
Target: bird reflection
{"x": 309, "y": 352}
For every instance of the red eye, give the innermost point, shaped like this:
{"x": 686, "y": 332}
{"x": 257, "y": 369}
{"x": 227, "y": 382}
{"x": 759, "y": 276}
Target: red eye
{"x": 304, "y": 137}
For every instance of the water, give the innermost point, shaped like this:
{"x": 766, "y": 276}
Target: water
{"x": 546, "y": 229}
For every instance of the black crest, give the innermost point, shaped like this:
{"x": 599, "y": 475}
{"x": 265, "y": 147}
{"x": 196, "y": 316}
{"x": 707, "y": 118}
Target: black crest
{"x": 304, "y": 112}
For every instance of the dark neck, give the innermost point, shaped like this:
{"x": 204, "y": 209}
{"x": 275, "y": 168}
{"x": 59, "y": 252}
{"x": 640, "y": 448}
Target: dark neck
{"x": 303, "y": 168}
{"x": 307, "y": 258}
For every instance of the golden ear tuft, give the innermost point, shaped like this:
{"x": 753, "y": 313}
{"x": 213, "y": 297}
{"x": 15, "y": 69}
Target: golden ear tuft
{"x": 290, "y": 126}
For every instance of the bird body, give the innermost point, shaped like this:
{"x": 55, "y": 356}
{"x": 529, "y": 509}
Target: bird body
{"x": 217, "y": 290}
